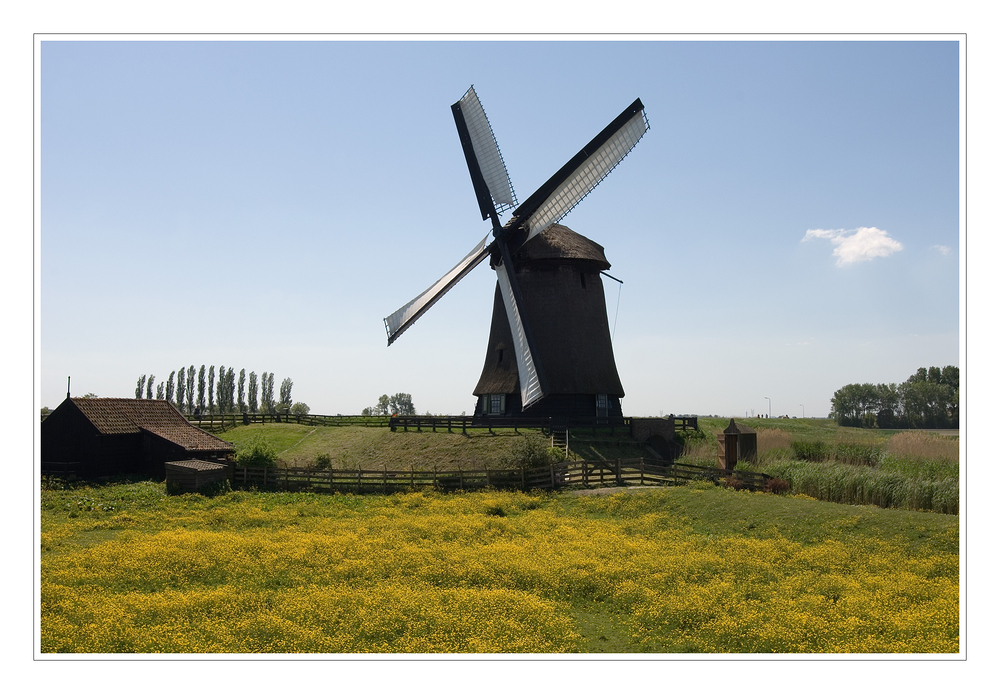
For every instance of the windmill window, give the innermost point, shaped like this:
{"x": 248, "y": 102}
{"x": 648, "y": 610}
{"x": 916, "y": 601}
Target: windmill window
{"x": 497, "y": 403}
{"x": 602, "y": 404}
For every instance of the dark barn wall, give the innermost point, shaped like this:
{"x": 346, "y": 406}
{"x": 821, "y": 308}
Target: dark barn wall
{"x": 68, "y": 437}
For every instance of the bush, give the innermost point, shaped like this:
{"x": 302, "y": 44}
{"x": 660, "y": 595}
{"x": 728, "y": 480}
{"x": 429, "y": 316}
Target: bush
{"x": 323, "y": 461}
{"x": 776, "y": 485}
{"x": 257, "y": 452}
{"x": 531, "y": 452}
{"x": 813, "y": 451}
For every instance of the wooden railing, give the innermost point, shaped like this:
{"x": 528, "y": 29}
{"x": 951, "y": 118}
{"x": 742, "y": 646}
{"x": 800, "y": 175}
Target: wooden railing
{"x": 637, "y": 471}
{"x": 221, "y": 422}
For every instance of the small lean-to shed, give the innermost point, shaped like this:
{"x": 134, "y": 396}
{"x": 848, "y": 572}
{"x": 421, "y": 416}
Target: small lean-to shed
{"x": 737, "y": 442}
{"x": 194, "y": 475}
{"x": 95, "y": 437}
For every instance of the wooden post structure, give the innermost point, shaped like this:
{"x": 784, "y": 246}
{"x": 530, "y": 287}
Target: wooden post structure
{"x": 618, "y": 471}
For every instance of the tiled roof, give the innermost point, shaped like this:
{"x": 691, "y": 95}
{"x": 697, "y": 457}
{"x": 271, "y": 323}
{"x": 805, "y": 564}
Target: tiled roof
{"x": 159, "y": 417}
{"x": 199, "y": 465}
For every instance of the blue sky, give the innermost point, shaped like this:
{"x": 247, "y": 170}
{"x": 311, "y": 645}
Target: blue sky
{"x": 789, "y": 224}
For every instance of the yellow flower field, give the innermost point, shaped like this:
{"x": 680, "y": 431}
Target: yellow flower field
{"x": 688, "y": 569}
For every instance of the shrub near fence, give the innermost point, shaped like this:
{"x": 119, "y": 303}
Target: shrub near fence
{"x": 637, "y": 471}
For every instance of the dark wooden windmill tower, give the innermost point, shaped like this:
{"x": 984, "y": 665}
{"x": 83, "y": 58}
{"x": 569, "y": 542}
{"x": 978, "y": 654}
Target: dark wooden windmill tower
{"x": 549, "y": 352}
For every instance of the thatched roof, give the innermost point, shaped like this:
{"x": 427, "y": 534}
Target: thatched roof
{"x": 560, "y": 243}
{"x": 159, "y": 417}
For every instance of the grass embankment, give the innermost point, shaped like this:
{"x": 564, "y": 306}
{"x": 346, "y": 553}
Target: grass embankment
{"x": 126, "y": 568}
{"x": 916, "y": 470}
{"x": 370, "y": 448}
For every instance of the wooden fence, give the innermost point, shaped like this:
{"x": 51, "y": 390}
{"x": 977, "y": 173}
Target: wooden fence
{"x": 221, "y": 422}
{"x": 637, "y": 471}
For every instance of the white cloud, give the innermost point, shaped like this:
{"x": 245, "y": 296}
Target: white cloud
{"x": 943, "y": 250}
{"x": 855, "y": 245}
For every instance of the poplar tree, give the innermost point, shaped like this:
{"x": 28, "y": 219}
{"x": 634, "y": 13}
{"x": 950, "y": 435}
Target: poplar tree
{"x": 201, "y": 388}
{"x": 190, "y": 387}
{"x": 140, "y": 385}
{"x": 149, "y": 387}
{"x": 170, "y": 387}
{"x": 230, "y": 389}
{"x": 252, "y": 392}
{"x": 211, "y": 389}
{"x": 241, "y": 401}
{"x": 181, "y": 389}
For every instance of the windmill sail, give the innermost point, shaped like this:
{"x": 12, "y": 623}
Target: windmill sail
{"x": 531, "y": 389}
{"x": 403, "y": 318}
{"x": 484, "y": 155}
{"x": 581, "y": 174}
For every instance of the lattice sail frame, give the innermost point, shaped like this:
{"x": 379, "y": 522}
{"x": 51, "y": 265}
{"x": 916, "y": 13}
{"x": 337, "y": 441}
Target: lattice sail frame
{"x": 484, "y": 143}
{"x": 588, "y": 175}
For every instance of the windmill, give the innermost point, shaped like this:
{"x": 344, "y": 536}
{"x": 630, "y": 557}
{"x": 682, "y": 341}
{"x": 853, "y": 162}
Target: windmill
{"x": 535, "y": 217}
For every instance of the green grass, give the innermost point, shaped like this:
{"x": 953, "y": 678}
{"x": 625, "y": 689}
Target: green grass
{"x": 370, "y": 448}
{"x": 697, "y": 568}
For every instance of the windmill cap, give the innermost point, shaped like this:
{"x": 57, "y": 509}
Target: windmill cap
{"x": 560, "y": 243}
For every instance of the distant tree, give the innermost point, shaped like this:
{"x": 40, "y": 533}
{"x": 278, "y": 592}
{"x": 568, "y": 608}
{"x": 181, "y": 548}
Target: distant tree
{"x": 220, "y": 391}
{"x": 367, "y": 412}
{"x": 230, "y": 389}
{"x": 181, "y": 388}
{"x": 45, "y": 411}
{"x": 190, "y": 388}
{"x": 382, "y": 408}
{"x": 267, "y": 390}
{"x": 252, "y": 392}
{"x": 211, "y": 389}
{"x": 170, "y": 387}
{"x": 241, "y": 400}
{"x": 159, "y": 391}
{"x": 149, "y": 387}
{"x": 89, "y": 395}
{"x": 140, "y": 386}
{"x": 201, "y": 388}
{"x": 402, "y": 403}
{"x": 299, "y": 409}
{"x": 286, "y": 392}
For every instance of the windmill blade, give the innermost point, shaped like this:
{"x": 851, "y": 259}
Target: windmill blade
{"x": 581, "y": 174}
{"x": 403, "y": 318}
{"x": 530, "y": 376}
{"x": 482, "y": 154}
{"x": 531, "y": 388}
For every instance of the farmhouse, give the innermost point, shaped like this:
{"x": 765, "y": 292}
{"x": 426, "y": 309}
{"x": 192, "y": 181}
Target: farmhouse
{"x": 94, "y": 437}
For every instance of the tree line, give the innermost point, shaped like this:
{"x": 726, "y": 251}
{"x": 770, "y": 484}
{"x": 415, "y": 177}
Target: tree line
{"x": 400, "y": 403}
{"x": 200, "y": 392}
{"x": 929, "y": 399}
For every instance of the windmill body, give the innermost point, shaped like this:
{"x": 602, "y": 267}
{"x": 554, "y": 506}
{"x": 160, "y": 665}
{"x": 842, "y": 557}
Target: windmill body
{"x": 559, "y": 272}
{"x": 550, "y": 350}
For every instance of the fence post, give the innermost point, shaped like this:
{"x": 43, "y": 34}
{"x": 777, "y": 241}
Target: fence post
{"x": 487, "y": 468}
{"x": 642, "y": 468}
{"x": 385, "y": 478}
{"x": 552, "y": 474}
{"x": 411, "y": 476}
{"x": 524, "y": 485}
{"x": 618, "y": 471}
{"x": 359, "y": 479}
{"x": 435, "y": 476}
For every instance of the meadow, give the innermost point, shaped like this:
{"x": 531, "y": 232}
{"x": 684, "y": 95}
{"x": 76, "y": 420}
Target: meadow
{"x": 910, "y": 469}
{"x": 913, "y": 470}
{"x": 126, "y": 568}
